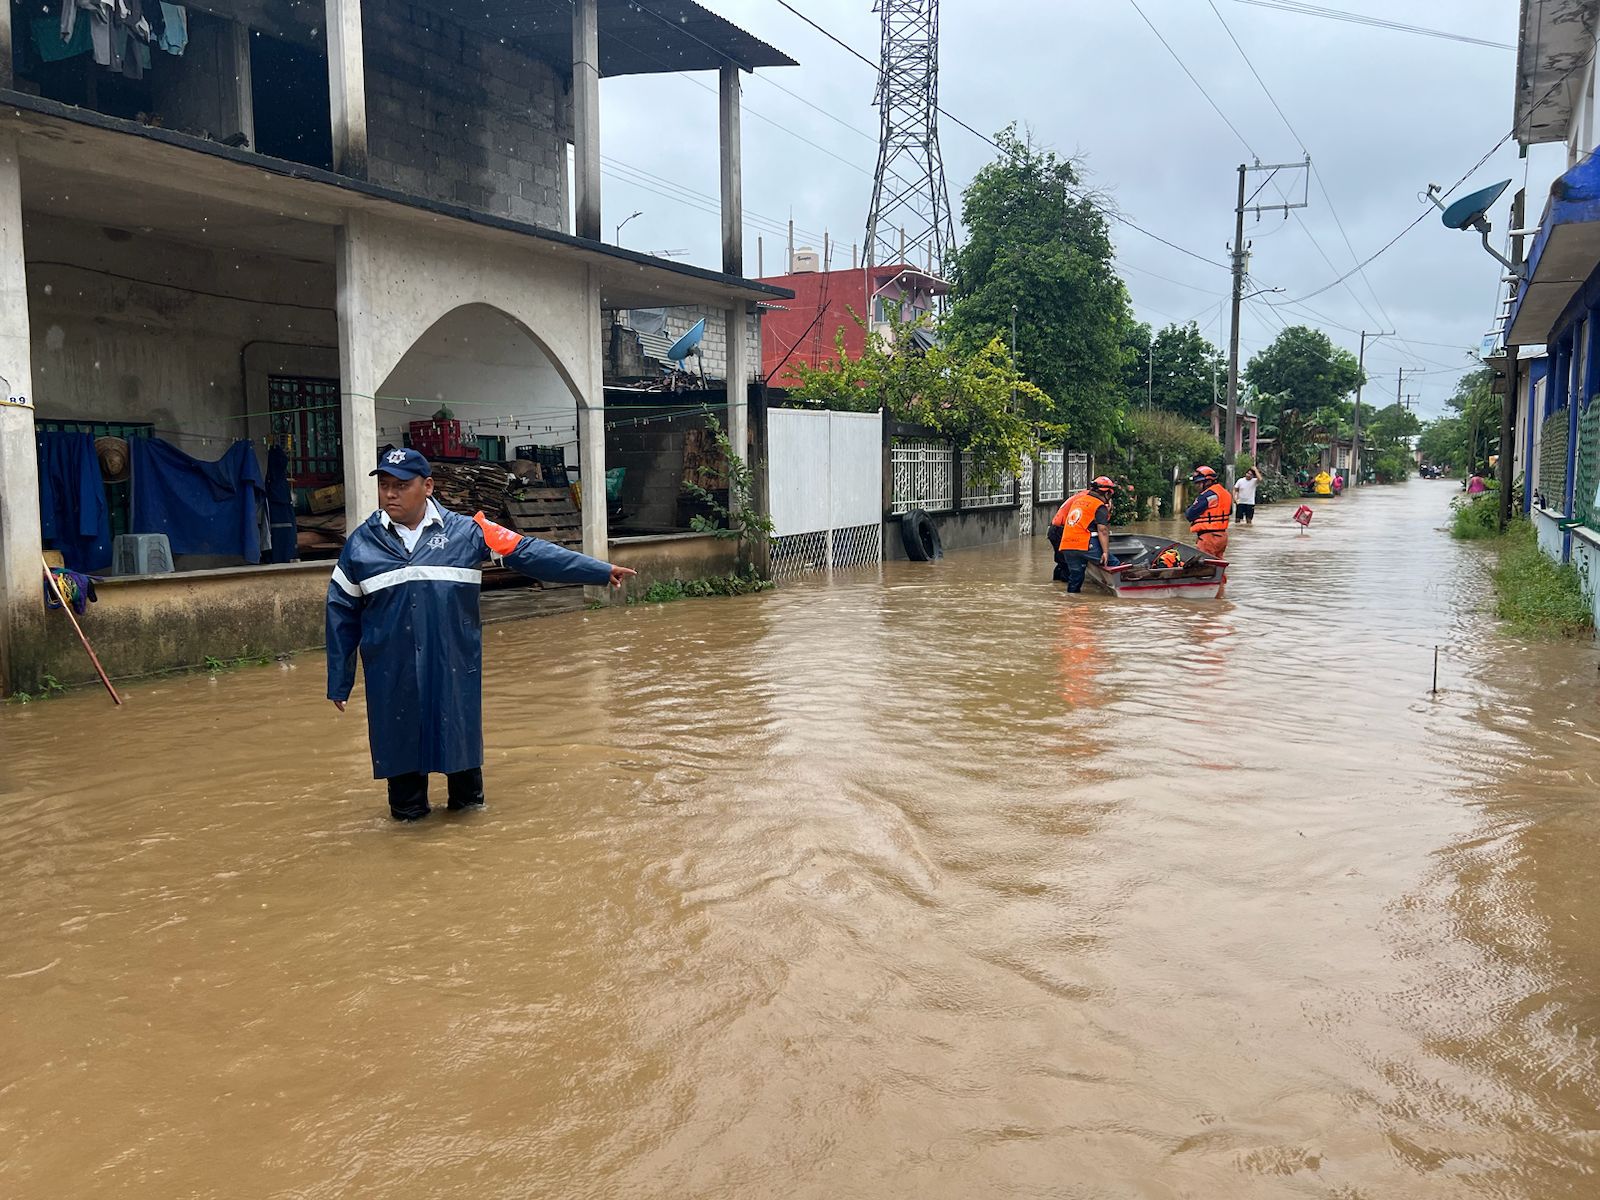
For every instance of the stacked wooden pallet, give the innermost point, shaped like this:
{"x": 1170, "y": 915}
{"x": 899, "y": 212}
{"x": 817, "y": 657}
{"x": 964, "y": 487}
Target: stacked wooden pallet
{"x": 548, "y": 513}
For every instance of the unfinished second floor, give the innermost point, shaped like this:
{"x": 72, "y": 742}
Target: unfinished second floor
{"x": 479, "y": 105}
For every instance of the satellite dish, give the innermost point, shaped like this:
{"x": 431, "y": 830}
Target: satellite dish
{"x": 688, "y": 344}
{"x": 1466, "y": 212}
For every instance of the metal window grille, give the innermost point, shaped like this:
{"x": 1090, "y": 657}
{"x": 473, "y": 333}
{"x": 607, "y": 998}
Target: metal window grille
{"x": 305, "y": 418}
{"x": 1584, "y": 495}
{"x": 1077, "y": 472}
{"x": 1052, "y": 475}
{"x": 921, "y": 474}
{"x": 831, "y": 550}
{"x": 991, "y": 495}
{"x": 1025, "y": 499}
{"x": 1553, "y": 459}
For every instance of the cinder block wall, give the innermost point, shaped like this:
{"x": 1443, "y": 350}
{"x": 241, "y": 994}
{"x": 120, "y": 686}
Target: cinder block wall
{"x": 460, "y": 118}
{"x": 680, "y": 319}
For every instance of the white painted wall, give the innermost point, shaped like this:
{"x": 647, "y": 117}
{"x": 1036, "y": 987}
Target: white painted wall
{"x": 492, "y": 376}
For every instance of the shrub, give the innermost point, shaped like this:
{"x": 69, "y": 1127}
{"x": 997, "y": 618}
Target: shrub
{"x": 1535, "y": 595}
{"x": 1475, "y": 517}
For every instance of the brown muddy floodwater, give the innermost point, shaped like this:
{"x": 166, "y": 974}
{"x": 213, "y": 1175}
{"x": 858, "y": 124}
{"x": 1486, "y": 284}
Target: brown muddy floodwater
{"x": 927, "y": 884}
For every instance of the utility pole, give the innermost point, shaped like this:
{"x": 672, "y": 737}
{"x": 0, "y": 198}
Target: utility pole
{"x": 1355, "y": 421}
{"x": 1240, "y": 260}
{"x": 1241, "y": 267}
{"x": 1508, "y": 407}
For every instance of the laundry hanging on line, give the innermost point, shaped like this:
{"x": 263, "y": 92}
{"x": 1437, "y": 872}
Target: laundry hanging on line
{"x": 73, "y": 516}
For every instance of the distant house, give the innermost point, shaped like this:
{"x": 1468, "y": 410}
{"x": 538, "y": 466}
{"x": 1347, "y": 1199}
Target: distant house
{"x": 834, "y": 306}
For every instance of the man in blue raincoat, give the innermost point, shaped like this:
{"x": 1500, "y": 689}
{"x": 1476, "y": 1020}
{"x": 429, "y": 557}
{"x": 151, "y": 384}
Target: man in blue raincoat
{"x": 405, "y": 594}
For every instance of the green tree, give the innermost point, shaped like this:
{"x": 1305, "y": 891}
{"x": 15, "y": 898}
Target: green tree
{"x": 1188, "y": 373}
{"x": 1304, "y": 370}
{"x": 1444, "y": 441}
{"x": 1037, "y": 247}
{"x": 1152, "y": 446}
{"x": 977, "y": 399}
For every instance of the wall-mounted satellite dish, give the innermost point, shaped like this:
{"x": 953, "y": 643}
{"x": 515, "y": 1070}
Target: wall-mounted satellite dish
{"x": 1466, "y": 212}
{"x": 688, "y": 344}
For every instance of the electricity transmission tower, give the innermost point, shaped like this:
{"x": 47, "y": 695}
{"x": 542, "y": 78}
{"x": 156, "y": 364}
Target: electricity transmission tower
{"x": 910, "y": 217}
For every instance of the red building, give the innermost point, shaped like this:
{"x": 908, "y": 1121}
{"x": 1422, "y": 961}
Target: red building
{"x": 828, "y": 304}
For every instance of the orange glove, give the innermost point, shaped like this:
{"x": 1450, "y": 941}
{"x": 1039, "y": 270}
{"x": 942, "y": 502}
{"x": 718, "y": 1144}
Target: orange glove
{"x": 498, "y": 538}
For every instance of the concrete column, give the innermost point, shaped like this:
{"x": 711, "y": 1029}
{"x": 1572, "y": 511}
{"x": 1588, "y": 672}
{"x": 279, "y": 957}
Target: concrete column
{"x": 347, "y": 88}
{"x": 21, "y": 574}
{"x": 358, "y": 382}
{"x": 732, "y": 184}
{"x": 6, "y": 79}
{"x": 592, "y": 433}
{"x": 586, "y": 118}
{"x": 738, "y": 386}
{"x": 242, "y": 89}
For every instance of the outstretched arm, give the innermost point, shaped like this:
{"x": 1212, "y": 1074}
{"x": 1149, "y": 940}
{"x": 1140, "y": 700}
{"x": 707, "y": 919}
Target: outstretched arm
{"x": 546, "y": 561}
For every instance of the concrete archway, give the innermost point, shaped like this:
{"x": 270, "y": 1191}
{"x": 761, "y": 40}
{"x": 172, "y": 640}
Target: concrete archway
{"x": 494, "y": 374}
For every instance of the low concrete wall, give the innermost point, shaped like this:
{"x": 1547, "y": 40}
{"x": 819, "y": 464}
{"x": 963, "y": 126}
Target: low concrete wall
{"x": 667, "y": 556}
{"x": 1551, "y": 539}
{"x": 147, "y": 623}
{"x": 960, "y": 530}
{"x": 1586, "y": 557}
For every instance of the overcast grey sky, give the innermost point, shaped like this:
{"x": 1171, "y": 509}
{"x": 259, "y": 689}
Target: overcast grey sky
{"x": 1382, "y": 114}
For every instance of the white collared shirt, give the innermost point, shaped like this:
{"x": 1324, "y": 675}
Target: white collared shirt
{"x": 412, "y": 536}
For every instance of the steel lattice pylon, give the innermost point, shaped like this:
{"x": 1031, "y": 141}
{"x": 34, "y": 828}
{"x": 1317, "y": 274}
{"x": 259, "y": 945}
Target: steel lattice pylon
{"x": 909, "y": 196}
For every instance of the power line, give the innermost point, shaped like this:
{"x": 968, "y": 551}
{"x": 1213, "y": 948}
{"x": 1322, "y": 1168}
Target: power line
{"x": 1184, "y": 67}
{"x": 1339, "y": 14}
{"x": 1105, "y": 211}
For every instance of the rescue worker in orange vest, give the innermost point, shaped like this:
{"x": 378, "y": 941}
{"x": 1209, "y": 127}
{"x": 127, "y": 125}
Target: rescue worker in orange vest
{"x": 1210, "y": 513}
{"x": 1081, "y": 530}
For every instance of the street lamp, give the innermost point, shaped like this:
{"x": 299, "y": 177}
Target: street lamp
{"x": 624, "y": 221}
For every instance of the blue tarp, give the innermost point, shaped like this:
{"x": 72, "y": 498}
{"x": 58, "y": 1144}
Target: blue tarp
{"x": 202, "y": 507}
{"x": 280, "y": 505}
{"x": 73, "y": 517}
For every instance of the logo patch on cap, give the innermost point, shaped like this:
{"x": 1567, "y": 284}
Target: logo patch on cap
{"x": 397, "y": 456}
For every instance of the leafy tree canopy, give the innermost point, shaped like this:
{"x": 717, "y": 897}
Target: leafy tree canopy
{"x": 1304, "y": 370}
{"x": 976, "y": 399}
{"x": 1037, "y": 247}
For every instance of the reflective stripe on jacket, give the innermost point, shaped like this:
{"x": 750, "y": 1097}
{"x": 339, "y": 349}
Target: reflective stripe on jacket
{"x": 1076, "y": 518}
{"x": 1216, "y": 516}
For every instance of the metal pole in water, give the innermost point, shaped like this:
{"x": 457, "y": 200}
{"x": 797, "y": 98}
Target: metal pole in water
{"x": 1435, "y": 690}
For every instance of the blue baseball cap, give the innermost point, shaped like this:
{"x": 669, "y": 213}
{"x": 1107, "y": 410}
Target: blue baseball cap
{"x": 402, "y": 464}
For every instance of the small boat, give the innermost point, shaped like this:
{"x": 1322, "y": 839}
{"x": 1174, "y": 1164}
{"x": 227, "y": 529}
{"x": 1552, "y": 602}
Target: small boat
{"x": 1197, "y": 576}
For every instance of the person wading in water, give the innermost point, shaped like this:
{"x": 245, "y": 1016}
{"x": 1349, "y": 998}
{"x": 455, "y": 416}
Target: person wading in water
{"x": 1210, "y": 513}
{"x": 1081, "y": 530}
{"x": 405, "y": 594}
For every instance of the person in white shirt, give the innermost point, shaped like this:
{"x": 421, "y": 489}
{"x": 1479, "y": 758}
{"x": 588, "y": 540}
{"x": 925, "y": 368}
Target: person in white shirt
{"x": 1244, "y": 498}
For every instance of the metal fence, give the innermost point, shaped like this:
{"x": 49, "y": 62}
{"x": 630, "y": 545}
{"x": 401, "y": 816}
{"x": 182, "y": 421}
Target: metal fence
{"x": 834, "y": 549}
{"x": 1077, "y": 472}
{"x": 825, "y": 478}
{"x": 1553, "y": 459}
{"x": 922, "y": 471}
{"x": 1052, "y": 475}
{"x": 1025, "y": 499}
{"x": 992, "y": 495}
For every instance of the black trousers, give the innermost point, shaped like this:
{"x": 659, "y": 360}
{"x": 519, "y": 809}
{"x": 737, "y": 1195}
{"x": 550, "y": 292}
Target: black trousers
{"x": 408, "y": 794}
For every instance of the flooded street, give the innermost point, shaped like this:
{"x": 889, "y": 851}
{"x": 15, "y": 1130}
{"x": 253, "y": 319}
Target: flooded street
{"x": 933, "y": 883}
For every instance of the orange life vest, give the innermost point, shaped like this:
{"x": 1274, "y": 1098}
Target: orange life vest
{"x": 1075, "y": 518}
{"x": 1215, "y": 518}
